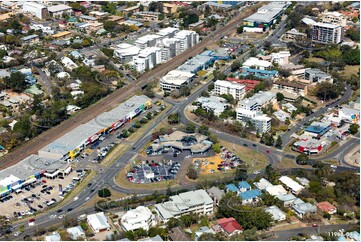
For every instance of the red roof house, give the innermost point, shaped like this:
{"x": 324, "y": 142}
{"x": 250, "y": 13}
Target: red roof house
{"x": 250, "y": 84}
{"x": 327, "y": 207}
{"x": 230, "y": 226}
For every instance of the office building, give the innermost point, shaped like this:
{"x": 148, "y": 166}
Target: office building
{"x": 175, "y": 79}
{"x": 257, "y": 101}
{"x": 335, "y": 18}
{"x": 126, "y": 52}
{"x": 147, "y": 59}
{"x": 315, "y": 75}
{"x": 261, "y": 122}
{"x": 141, "y": 217}
{"x": 59, "y": 10}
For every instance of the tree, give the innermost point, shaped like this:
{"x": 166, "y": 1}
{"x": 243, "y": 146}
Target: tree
{"x": 240, "y": 29}
{"x": 192, "y": 172}
{"x": 235, "y": 66}
{"x": 280, "y": 97}
{"x": 210, "y": 87}
{"x": 240, "y": 174}
{"x": 188, "y": 18}
{"x": 173, "y": 222}
{"x": 326, "y": 91}
{"x": 109, "y": 25}
{"x": 105, "y": 192}
{"x": 174, "y": 118}
{"x": 229, "y": 98}
{"x": 271, "y": 174}
{"x": 184, "y": 90}
{"x": 190, "y": 128}
{"x": 302, "y": 159}
{"x": 353, "y": 129}
{"x": 278, "y": 142}
{"x": 204, "y": 94}
{"x": 203, "y": 130}
{"x": 156, "y": 7}
{"x": 267, "y": 139}
{"x": 353, "y": 34}
{"x": 217, "y": 148}
{"x": 16, "y": 82}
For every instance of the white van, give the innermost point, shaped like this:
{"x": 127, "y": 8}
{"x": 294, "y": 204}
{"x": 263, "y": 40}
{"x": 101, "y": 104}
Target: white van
{"x": 18, "y": 191}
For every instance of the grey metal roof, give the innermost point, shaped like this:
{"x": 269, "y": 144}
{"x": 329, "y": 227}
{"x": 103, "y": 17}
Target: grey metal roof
{"x": 268, "y": 12}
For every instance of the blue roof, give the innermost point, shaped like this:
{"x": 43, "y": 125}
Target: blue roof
{"x": 29, "y": 37}
{"x": 207, "y": 53}
{"x": 318, "y": 128}
{"x": 244, "y": 184}
{"x": 232, "y": 188}
{"x": 341, "y": 238}
{"x": 250, "y": 194}
{"x": 354, "y": 235}
{"x": 75, "y": 53}
{"x": 273, "y": 72}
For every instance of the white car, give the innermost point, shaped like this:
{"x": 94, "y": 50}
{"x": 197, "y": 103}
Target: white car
{"x": 61, "y": 216}
{"x": 52, "y": 216}
{"x": 76, "y": 198}
{"x": 17, "y": 234}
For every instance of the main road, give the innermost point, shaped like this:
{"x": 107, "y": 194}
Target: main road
{"x": 117, "y": 96}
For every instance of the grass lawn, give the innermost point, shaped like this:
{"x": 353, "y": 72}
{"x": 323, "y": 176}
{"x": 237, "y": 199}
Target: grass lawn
{"x": 350, "y": 70}
{"x": 115, "y": 195}
{"x": 315, "y": 59}
{"x": 287, "y": 163}
{"x": 114, "y": 154}
{"x": 121, "y": 180}
{"x": 215, "y": 176}
{"x": 254, "y": 160}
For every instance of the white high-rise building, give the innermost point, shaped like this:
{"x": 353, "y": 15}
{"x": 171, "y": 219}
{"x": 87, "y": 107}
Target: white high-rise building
{"x": 226, "y": 87}
{"x": 326, "y": 33}
{"x": 148, "y": 58}
{"x": 187, "y": 39}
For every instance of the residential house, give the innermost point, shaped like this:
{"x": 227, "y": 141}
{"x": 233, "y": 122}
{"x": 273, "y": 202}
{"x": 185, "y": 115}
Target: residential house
{"x": 203, "y": 230}
{"x": 244, "y": 186}
{"x": 287, "y": 199}
{"x": 134, "y": 219}
{"x": 76, "y": 233}
{"x": 292, "y": 185}
{"x": 98, "y": 222}
{"x": 229, "y": 226}
{"x": 216, "y": 194}
{"x": 232, "y": 188}
{"x": 55, "y": 236}
{"x": 262, "y": 184}
{"x": 277, "y": 214}
{"x": 327, "y": 207}
{"x": 303, "y": 181}
{"x": 250, "y": 196}
{"x": 177, "y": 234}
{"x": 276, "y": 190}
{"x": 303, "y": 209}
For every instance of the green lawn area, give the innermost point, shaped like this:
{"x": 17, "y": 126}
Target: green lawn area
{"x": 215, "y": 176}
{"x": 287, "y": 163}
{"x": 315, "y": 59}
{"x": 255, "y": 161}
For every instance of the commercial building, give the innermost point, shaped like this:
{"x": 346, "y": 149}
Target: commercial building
{"x": 291, "y": 184}
{"x": 277, "y": 214}
{"x": 98, "y": 222}
{"x": 326, "y": 33}
{"x": 141, "y": 217}
{"x": 315, "y": 75}
{"x": 147, "y": 59}
{"x": 216, "y": 5}
{"x": 126, "y": 52}
{"x": 196, "y": 64}
{"x": 175, "y": 79}
{"x": 317, "y": 129}
{"x": 349, "y": 115}
{"x": 230, "y": 88}
{"x": 38, "y": 10}
{"x": 198, "y": 202}
{"x": 76, "y": 140}
{"x": 59, "y": 10}
{"x": 215, "y": 104}
{"x": 218, "y": 54}
{"x": 293, "y": 34}
{"x": 335, "y": 18}
{"x": 195, "y": 143}
{"x": 265, "y": 17}
{"x": 308, "y": 145}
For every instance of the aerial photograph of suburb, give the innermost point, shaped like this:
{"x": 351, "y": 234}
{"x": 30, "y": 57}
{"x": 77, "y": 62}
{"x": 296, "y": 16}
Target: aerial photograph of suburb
{"x": 194, "y": 120}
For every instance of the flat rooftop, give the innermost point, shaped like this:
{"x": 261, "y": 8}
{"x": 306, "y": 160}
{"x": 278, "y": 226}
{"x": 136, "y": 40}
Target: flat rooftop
{"x": 268, "y": 12}
{"x": 31, "y": 165}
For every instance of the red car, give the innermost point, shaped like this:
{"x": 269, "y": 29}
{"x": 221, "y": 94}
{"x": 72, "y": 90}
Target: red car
{"x": 267, "y": 151}
{"x": 314, "y": 225}
{"x": 43, "y": 181}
